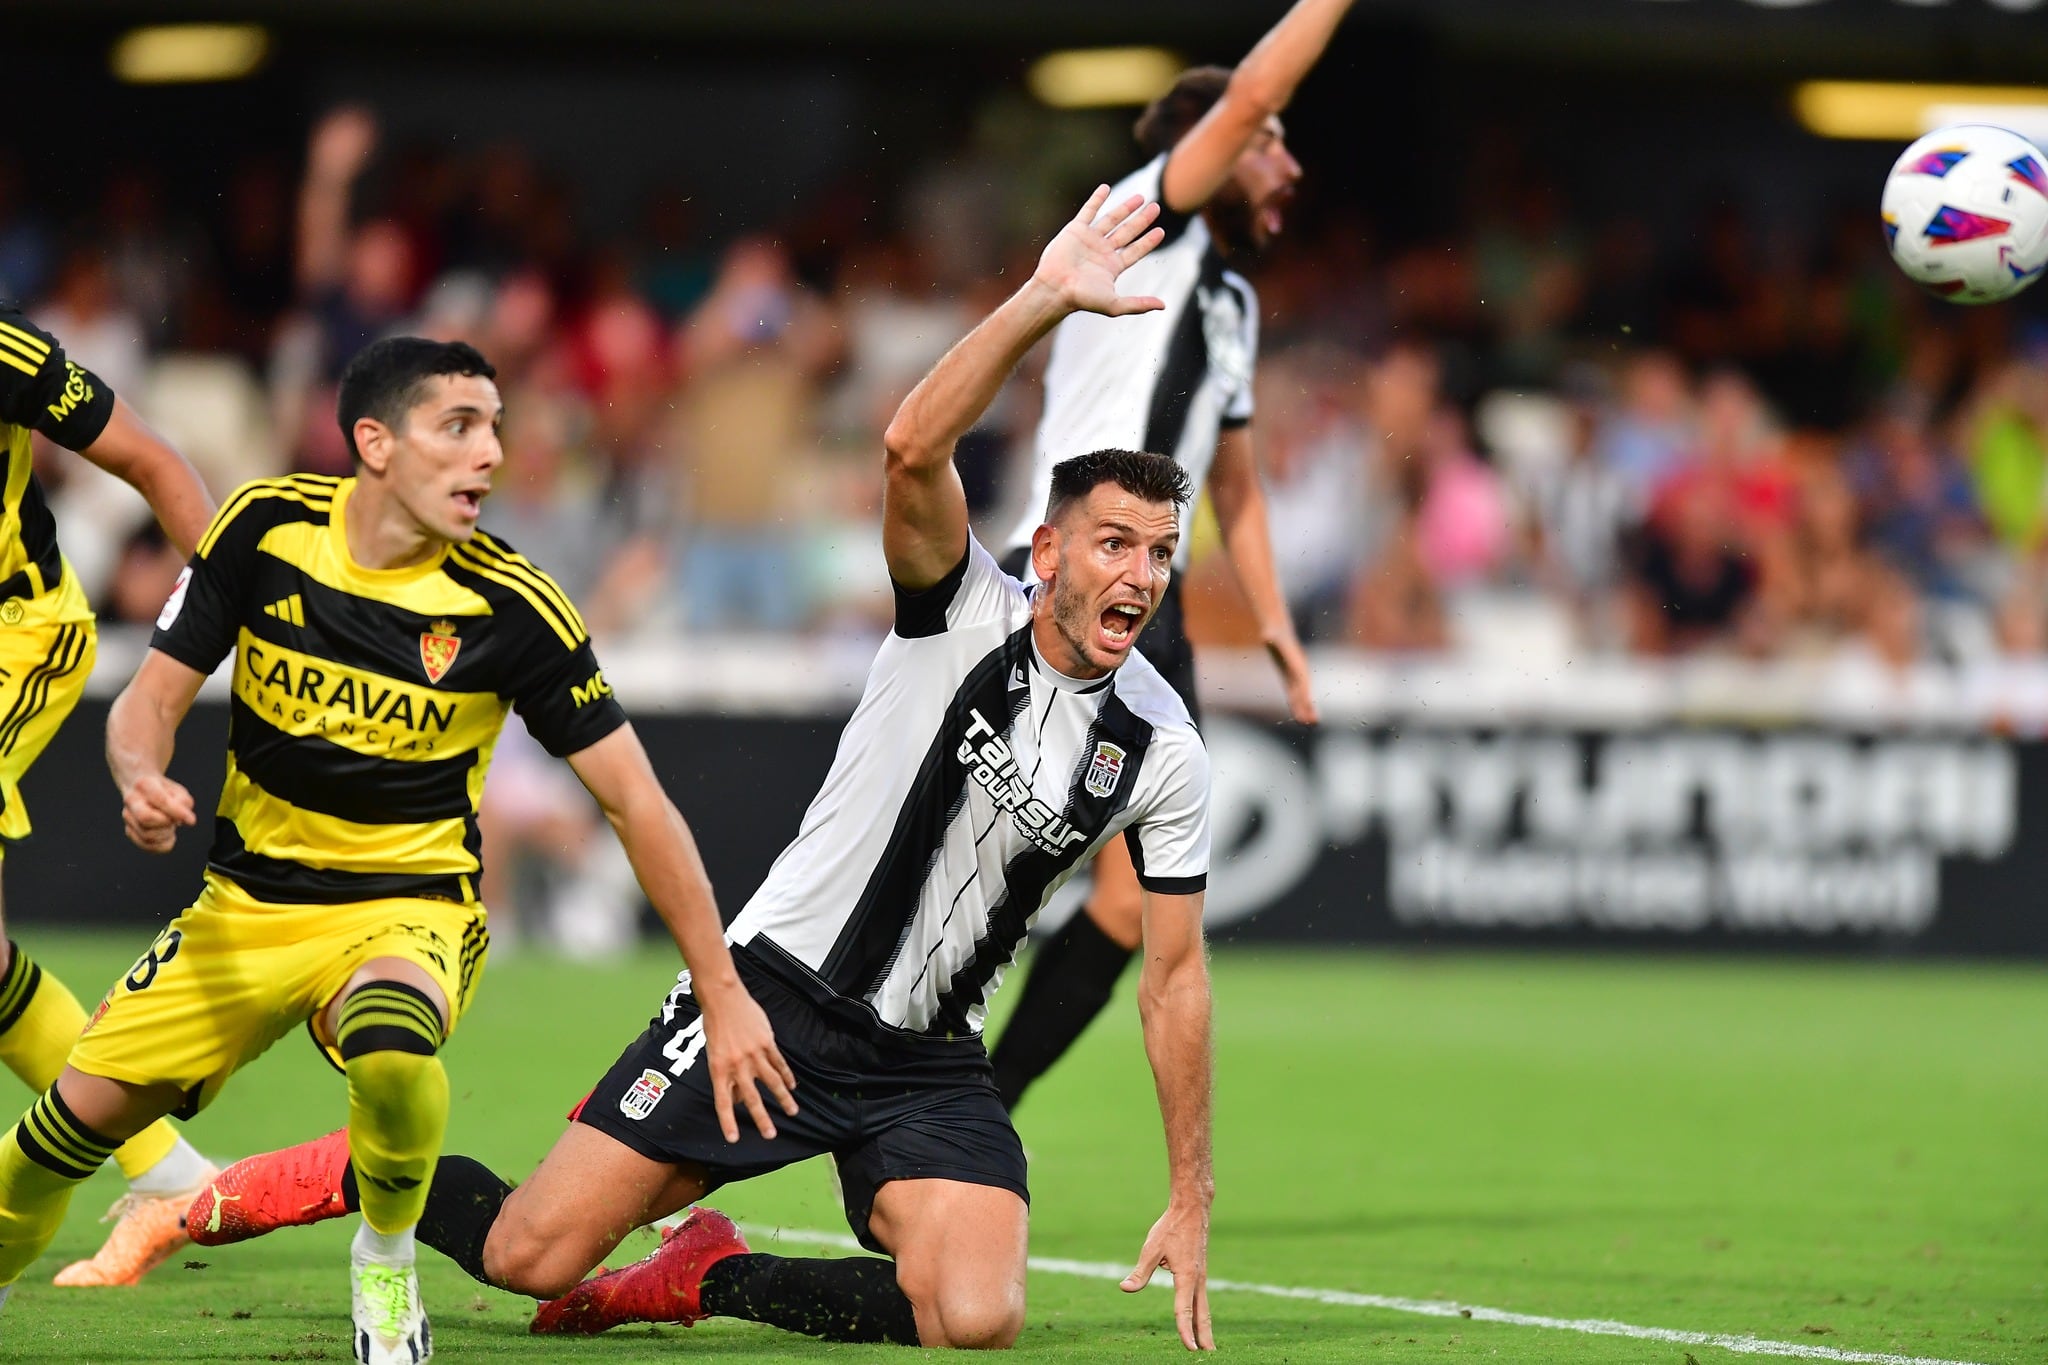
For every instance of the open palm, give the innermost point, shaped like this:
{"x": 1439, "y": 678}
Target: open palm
{"x": 1083, "y": 262}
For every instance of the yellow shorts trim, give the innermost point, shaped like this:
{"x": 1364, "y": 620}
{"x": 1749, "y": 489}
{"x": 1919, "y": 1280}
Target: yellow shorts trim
{"x": 46, "y": 656}
{"x": 232, "y": 975}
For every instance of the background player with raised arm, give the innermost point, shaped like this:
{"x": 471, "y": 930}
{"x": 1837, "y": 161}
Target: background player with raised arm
{"x": 1179, "y": 382}
{"x": 47, "y": 639}
{"x": 1005, "y": 734}
{"x": 378, "y": 639}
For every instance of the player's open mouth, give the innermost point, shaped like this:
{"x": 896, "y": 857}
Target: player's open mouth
{"x": 1120, "y": 623}
{"x": 471, "y": 501}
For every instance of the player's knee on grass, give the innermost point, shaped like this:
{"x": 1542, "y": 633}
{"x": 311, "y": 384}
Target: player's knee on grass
{"x": 964, "y": 1306}
{"x": 389, "y": 1037}
{"x": 539, "y": 1252}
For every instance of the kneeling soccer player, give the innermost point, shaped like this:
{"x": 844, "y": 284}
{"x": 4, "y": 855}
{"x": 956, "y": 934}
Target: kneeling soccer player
{"x": 1005, "y": 735}
{"x": 377, "y": 638}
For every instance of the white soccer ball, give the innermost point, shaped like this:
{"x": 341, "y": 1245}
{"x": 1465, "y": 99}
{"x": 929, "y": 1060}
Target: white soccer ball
{"x": 1966, "y": 212}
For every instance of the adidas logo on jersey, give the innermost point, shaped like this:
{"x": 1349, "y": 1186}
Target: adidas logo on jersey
{"x": 288, "y": 609}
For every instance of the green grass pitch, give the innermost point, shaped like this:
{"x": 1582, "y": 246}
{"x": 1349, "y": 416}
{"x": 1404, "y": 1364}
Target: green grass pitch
{"x": 1850, "y": 1156}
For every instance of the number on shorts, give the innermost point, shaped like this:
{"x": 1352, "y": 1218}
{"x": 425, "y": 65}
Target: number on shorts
{"x": 146, "y": 967}
{"x": 682, "y": 1049}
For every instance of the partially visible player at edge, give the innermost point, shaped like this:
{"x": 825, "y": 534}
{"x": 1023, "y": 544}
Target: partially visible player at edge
{"x": 47, "y": 644}
{"x": 377, "y": 639}
{"x": 1178, "y": 382}
{"x": 1005, "y": 734}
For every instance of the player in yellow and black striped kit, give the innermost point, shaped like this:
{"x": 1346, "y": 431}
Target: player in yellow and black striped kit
{"x": 376, "y": 640}
{"x": 46, "y": 654}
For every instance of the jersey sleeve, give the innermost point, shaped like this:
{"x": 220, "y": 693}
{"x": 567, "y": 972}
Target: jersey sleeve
{"x": 562, "y": 695}
{"x": 42, "y": 389}
{"x": 976, "y": 590}
{"x": 1237, "y": 412}
{"x": 1169, "y": 842}
{"x": 203, "y": 616}
{"x": 1150, "y": 181}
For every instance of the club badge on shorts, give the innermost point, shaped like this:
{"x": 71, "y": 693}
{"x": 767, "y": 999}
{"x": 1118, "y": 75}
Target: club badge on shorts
{"x": 438, "y": 648}
{"x": 642, "y": 1095}
{"x": 1104, "y": 769}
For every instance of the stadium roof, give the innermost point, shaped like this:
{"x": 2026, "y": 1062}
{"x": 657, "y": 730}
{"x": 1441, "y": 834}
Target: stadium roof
{"x": 1951, "y": 38}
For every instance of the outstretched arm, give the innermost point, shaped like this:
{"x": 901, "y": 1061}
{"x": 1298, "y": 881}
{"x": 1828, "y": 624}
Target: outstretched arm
{"x": 1260, "y": 87}
{"x": 1173, "y": 1002}
{"x": 128, "y": 449}
{"x": 737, "y": 1036}
{"x": 924, "y": 507}
{"x": 142, "y": 730}
{"x": 335, "y": 156}
{"x": 1240, "y": 505}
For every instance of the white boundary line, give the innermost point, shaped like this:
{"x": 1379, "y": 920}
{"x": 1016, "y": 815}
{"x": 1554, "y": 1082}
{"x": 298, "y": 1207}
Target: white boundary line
{"x": 1433, "y": 1308}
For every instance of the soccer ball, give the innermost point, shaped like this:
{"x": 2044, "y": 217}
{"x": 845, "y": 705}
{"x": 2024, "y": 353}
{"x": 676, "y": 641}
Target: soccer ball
{"x": 1966, "y": 213}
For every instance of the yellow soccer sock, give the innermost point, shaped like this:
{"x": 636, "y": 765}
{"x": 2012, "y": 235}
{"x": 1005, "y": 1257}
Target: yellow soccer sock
{"x": 42, "y": 1160}
{"x": 39, "y": 1021}
{"x": 397, "y": 1099}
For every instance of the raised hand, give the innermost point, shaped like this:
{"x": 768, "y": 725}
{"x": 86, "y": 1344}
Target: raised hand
{"x": 1083, "y": 262}
{"x": 342, "y": 143}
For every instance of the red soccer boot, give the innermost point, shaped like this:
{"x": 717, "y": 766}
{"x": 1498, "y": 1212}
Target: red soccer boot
{"x": 261, "y": 1194}
{"x": 662, "y": 1287}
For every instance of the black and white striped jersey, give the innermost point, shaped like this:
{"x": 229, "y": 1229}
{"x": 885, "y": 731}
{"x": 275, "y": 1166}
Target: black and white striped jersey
{"x": 971, "y": 781}
{"x": 1167, "y": 382}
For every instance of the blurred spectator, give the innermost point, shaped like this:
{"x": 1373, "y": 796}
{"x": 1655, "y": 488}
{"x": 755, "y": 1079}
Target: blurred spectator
{"x": 1643, "y": 442}
{"x": 754, "y": 350}
{"x": 144, "y": 574}
{"x": 24, "y": 240}
{"x": 1582, "y": 513}
{"x": 96, "y": 510}
{"x": 1918, "y": 502}
{"x": 1695, "y": 586}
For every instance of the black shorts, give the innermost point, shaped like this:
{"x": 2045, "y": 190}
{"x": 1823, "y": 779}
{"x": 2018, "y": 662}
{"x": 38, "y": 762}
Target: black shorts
{"x": 885, "y": 1110}
{"x": 1164, "y": 640}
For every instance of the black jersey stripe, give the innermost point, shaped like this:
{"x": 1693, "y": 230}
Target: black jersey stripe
{"x": 315, "y": 775}
{"x": 463, "y": 557}
{"x": 1183, "y": 367}
{"x": 873, "y": 934}
{"x": 282, "y": 882}
{"x": 520, "y": 566}
{"x": 352, "y": 630}
{"x": 39, "y": 533}
{"x": 1026, "y": 876}
{"x": 251, "y": 493}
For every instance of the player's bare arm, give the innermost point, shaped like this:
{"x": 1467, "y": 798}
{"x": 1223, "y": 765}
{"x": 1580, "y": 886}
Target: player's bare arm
{"x": 142, "y": 730}
{"x": 737, "y": 1038}
{"x": 924, "y": 511}
{"x": 1173, "y": 1003}
{"x": 1240, "y": 503}
{"x": 139, "y": 457}
{"x": 1260, "y": 87}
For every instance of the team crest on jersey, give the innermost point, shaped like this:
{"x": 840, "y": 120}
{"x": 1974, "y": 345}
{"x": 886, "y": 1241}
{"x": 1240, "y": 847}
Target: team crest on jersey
{"x": 642, "y": 1095}
{"x": 438, "y": 648}
{"x": 1104, "y": 770}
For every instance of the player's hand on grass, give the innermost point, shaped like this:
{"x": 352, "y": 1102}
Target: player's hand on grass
{"x": 744, "y": 1061}
{"x": 1082, "y": 263}
{"x": 152, "y": 810}
{"x": 1179, "y": 1243}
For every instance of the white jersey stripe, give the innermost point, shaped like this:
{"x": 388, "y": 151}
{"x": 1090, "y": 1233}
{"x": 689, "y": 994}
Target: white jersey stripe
{"x": 969, "y": 784}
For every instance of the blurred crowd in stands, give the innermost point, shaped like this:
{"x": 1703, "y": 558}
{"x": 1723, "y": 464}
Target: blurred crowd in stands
{"x": 1538, "y": 434}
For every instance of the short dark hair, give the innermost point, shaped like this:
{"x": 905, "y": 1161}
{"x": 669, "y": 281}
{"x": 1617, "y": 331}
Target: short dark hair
{"x": 1155, "y": 478}
{"x": 388, "y": 377}
{"x": 1167, "y": 119}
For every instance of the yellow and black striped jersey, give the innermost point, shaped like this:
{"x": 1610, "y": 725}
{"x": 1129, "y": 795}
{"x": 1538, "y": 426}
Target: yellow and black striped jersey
{"x": 40, "y": 390}
{"x": 366, "y": 702}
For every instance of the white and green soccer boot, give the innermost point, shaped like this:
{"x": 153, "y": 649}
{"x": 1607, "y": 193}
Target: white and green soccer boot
{"x": 391, "y": 1323}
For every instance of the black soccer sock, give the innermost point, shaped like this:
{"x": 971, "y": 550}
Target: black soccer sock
{"x": 462, "y": 1203}
{"x": 1072, "y": 978}
{"x": 855, "y": 1298}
